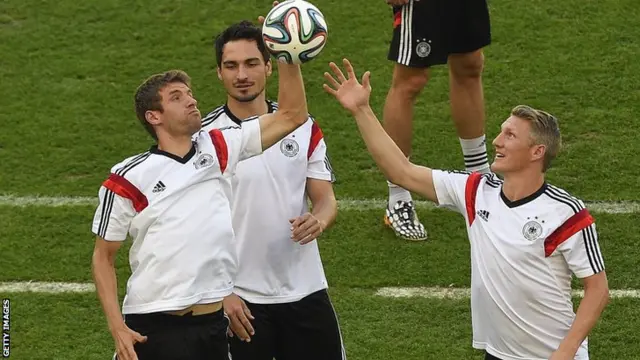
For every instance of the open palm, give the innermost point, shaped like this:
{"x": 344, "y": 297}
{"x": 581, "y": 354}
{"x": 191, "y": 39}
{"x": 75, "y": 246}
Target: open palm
{"x": 348, "y": 91}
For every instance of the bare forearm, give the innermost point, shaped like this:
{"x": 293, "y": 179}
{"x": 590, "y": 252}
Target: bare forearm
{"x": 589, "y": 311}
{"x": 292, "y": 106}
{"x": 384, "y": 151}
{"x": 325, "y": 210}
{"x": 292, "y": 100}
{"x": 104, "y": 276}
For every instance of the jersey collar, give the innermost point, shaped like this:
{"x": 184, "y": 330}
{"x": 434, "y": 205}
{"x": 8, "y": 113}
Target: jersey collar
{"x": 236, "y": 120}
{"x": 525, "y": 200}
{"x": 183, "y": 160}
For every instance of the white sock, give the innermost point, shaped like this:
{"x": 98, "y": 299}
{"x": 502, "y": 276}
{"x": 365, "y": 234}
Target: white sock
{"x": 396, "y": 193}
{"x": 475, "y": 154}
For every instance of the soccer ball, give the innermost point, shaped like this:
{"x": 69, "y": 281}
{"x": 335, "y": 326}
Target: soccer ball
{"x": 294, "y": 31}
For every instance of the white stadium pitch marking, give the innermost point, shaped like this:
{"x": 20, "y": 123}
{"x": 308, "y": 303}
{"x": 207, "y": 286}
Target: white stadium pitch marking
{"x": 22, "y": 201}
{"x": 445, "y": 293}
{"x": 465, "y": 293}
{"x": 622, "y": 207}
{"x": 45, "y": 287}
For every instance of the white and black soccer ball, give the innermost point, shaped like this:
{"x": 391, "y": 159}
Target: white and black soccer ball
{"x": 294, "y": 31}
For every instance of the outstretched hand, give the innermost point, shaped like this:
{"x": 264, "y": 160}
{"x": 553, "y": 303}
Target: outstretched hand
{"x": 348, "y": 91}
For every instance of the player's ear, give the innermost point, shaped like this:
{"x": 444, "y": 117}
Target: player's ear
{"x": 152, "y": 117}
{"x": 538, "y": 152}
{"x": 219, "y": 73}
{"x": 269, "y": 67}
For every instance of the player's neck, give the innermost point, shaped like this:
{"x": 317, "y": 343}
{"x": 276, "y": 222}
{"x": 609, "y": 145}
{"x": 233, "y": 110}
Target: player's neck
{"x": 176, "y": 145}
{"x": 244, "y": 110}
{"x": 521, "y": 185}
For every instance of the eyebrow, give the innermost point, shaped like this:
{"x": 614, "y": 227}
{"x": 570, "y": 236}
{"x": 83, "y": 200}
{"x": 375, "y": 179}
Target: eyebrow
{"x": 246, "y": 60}
{"x": 178, "y": 91}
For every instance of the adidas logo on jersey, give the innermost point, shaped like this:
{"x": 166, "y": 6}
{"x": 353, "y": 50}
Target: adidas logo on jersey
{"x": 159, "y": 187}
{"x": 484, "y": 214}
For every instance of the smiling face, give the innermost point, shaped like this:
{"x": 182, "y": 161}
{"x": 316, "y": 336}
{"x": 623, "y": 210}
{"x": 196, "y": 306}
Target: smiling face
{"x": 243, "y": 70}
{"x": 515, "y": 149}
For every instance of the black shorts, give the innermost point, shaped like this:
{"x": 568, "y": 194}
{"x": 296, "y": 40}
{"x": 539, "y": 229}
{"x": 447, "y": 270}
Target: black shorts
{"x": 307, "y": 329}
{"x": 172, "y": 337}
{"x": 488, "y": 356}
{"x": 426, "y": 32}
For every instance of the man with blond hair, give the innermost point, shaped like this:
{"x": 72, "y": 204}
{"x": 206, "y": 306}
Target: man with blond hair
{"x": 527, "y": 237}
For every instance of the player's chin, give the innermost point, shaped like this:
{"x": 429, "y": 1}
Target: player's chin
{"x": 195, "y": 124}
{"x": 503, "y": 166}
{"x": 498, "y": 166}
{"x": 246, "y": 95}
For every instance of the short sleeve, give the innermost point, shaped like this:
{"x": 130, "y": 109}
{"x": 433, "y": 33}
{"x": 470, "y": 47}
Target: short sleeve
{"x": 450, "y": 188}
{"x": 582, "y": 252}
{"x": 113, "y": 215}
{"x": 251, "y": 139}
{"x": 319, "y": 166}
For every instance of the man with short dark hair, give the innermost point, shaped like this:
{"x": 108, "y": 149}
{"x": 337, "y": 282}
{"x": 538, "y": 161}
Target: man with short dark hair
{"x": 174, "y": 201}
{"x": 280, "y": 307}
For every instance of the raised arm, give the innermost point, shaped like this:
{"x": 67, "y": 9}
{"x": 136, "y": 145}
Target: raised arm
{"x": 292, "y": 106}
{"x": 354, "y": 97}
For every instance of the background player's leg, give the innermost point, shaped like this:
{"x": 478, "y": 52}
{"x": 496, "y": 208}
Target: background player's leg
{"x": 309, "y": 329}
{"x": 410, "y": 75}
{"x": 467, "y": 107}
{"x": 469, "y": 33}
{"x": 406, "y": 85}
{"x": 262, "y": 345}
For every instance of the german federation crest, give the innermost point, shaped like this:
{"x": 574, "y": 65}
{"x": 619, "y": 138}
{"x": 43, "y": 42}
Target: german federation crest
{"x": 532, "y": 230}
{"x": 423, "y": 49}
{"x": 203, "y": 160}
{"x": 289, "y": 147}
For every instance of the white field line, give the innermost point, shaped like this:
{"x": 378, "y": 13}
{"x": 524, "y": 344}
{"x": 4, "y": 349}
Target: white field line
{"x": 623, "y": 207}
{"x": 45, "y": 287}
{"x": 395, "y": 292}
{"x": 465, "y": 293}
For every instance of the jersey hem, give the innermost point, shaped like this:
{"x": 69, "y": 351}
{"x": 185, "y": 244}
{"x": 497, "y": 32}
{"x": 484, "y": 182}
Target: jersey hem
{"x": 585, "y": 273}
{"x": 269, "y": 299}
{"x": 319, "y": 176}
{"x": 109, "y": 238}
{"x": 177, "y": 304}
{"x": 491, "y": 351}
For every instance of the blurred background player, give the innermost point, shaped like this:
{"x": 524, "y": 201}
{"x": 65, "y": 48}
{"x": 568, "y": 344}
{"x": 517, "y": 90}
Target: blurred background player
{"x": 280, "y": 307}
{"x": 528, "y": 238}
{"x": 428, "y": 33}
{"x": 174, "y": 201}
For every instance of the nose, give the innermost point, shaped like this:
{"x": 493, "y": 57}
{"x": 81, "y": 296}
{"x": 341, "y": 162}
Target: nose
{"x": 192, "y": 101}
{"x": 242, "y": 73}
{"x": 497, "y": 141}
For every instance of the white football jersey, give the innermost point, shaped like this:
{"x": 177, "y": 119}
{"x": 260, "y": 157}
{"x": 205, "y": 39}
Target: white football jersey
{"x": 177, "y": 211}
{"x": 523, "y": 255}
{"x": 270, "y": 189}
